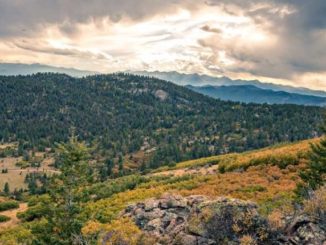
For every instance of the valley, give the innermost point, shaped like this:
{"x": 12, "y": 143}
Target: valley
{"x": 139, "y": 122}
{"x": 106, "y": 143}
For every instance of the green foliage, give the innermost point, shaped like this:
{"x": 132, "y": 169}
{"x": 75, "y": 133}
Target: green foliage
{"x": 65, "y": 190}
{"x": 17, "y": 235}
{"x": 39, "y": 207}
{"x": 56, "y": 214}
{"x": 4, "y": 171}
{"x": 7, "y": 205}
{"x": 315, "y": 175}
{"x": 282, "y": 199}
{"x": 253, "y": 188}
{"x": 110, "y": 187}
{"x": 6, "y": 189}
{"x": 121, "y": 112}
{"x": 4, "y": 218}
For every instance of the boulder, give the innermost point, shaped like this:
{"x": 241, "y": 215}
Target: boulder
{"x": 197, "y": 220}
{"x": 306, "y": 231}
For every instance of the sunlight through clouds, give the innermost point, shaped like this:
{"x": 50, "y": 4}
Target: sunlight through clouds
{"x": 257, "y": 39}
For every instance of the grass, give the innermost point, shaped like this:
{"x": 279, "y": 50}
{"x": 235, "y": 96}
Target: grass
{"x": 4, "y": 218}
{"x": 267, "y": 177}
{"x": 4, "y": 206}
{"x": 16, "y": 176}
{"x": 12, "y": 214}
{"x": 281, "y": 154}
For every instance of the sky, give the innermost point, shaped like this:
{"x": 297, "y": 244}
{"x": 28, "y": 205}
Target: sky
{"x": 279, "y": 41}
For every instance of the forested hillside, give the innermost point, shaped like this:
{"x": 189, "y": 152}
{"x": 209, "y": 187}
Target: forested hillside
{"x": 124, "y": 114}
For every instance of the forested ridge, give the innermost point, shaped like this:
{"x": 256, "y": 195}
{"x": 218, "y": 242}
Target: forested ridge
{"x": 122, "y": 114}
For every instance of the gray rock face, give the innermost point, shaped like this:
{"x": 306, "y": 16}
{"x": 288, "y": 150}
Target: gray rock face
{"x": 306, "y": 231}
{"x": 196, "y": 220}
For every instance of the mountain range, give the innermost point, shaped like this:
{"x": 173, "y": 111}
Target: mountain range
{"x": 247, "y": 91}
{"x": 253, "y": 94}
{"x": 202, "y": 80}
{"x": 13, "y": 69}
{"x": 224, "y": 88}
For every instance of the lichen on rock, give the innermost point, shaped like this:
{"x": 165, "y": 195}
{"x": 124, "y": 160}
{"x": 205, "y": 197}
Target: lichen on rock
{"x": 193, "y": 220}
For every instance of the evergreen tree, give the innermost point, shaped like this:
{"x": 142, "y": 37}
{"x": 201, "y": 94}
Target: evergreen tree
{"x": 120, "y": 165}
{"x": 65, "y": 193}
{"x": 315, "y": 175}
{"x": 6, "y": 189}
{"x": 109, "y": 167}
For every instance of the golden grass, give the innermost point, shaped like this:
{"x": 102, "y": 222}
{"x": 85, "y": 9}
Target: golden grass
{"x": 12, "y": 214}
{"x": 8, "y": 145}
{"x": 237, "y": 160}
{"x": 16, "y": 176}
{"x": 265, "y": 183}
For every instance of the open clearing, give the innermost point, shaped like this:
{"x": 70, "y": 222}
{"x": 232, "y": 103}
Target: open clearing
{"x": 16, "y": 176}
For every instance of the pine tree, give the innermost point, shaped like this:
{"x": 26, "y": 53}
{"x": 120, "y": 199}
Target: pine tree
{"x": 120, "y": 165}
{"x": 6, "y": 188}
{"x": 315, "y": 175}
{"x": 66, "y": 197}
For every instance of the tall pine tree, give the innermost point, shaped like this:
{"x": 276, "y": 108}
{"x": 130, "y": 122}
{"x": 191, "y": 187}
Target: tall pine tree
{"x": 315, "y": 175}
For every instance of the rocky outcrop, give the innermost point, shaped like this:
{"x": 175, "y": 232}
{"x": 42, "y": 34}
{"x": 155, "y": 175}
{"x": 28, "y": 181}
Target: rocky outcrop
{"x": 196, "y": 220}
{"x": 304, "y": 230}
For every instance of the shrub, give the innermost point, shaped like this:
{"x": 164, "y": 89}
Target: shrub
{"x": 4, "y": 218}
{"x": 35, "y": 212}
{"x": 122, "y": 231}
{"x": 247, "y": 240}
{"x": 275, "y": 220}
{"x": 253, "y": 188}
{"x": 8, "y": 205}
{"x": 315, "y": 207}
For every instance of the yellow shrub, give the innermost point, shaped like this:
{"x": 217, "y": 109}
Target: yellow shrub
{"x": 275, "y": 219}
{"x": 247, "y": 240}
{"x": 316, "y": 206}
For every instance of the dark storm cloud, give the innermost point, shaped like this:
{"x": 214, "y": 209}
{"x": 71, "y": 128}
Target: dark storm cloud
{"x": 18, "y": 15}
{"x": 300, "y": 27}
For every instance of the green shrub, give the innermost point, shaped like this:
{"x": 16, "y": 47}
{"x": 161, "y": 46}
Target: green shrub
{"x": 4, "y": 218}
{"x": 253, "y": 188}
{"x": 8, "y": 205}
{"x": 35, "y": 212}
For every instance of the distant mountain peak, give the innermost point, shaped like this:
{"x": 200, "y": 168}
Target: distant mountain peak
{"x": 12, "y": 69}
{"x": 200, "y": 80}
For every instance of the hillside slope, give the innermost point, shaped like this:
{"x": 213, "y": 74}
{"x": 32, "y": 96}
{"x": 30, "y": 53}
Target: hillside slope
{"x": 123, "y": 114}
{"x": 267, "y": 177}
{"x": 253, "y": 94}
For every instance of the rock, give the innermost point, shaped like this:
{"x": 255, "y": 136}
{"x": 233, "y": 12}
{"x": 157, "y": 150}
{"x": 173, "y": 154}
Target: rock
{"x": 196, "y": 220}
{"x": 304, "y": 230}
{"x": 161, "y": 94}
{"x": 151, "y": 204}
{"x": 183, "y": 238}
{"x": 152, "y": 225}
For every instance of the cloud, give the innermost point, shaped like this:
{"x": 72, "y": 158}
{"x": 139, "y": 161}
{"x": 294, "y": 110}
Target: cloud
{"x": 210, "y": 29}
{"x": 42, "y": 48}
{"x": 18, "y": 15}
{"x": 272, "y": 40}
{"x": 295, "y": 38}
